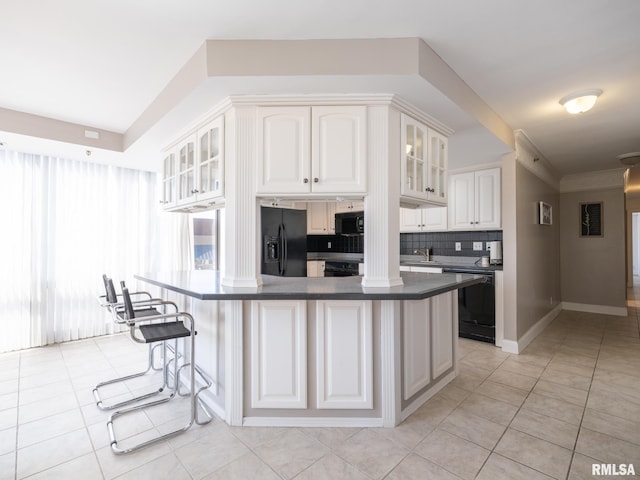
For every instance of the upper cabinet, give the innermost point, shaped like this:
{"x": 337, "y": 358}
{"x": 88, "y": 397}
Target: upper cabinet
{"x": 305, "y": 150}
{"x": 475, "y": 200}
{"x": 424, "y": 165}
{"x": 423, "y": 219}
{"x": 193, "y": 169}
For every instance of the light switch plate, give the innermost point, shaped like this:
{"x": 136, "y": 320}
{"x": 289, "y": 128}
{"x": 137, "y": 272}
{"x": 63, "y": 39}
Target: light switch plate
{"x": 458, "y": 246}
{"x": 477, "y": 246}
{"x": 488, "y": 247}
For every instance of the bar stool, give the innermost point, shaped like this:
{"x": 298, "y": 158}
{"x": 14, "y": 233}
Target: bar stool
{"x": 172, "y": 327}
{"x": 144, "y": 308}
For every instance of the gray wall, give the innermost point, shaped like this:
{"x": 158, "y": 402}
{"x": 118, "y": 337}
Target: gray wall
{"x": 593, "y": 268}
{"x": 538, "y": 250}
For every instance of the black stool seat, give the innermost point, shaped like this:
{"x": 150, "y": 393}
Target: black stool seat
{"x": 157, "y": 332}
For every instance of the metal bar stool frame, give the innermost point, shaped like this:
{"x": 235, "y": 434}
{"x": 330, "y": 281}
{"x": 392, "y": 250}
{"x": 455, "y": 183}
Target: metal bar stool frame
{"x": 128, "y": 316}
{"x": 147, "y": 305}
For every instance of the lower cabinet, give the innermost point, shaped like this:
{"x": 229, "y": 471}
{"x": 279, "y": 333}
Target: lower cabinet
{"x": 343, "y": 338}
{"x": 315, "y": 268}
{"x": 344, "y": 354}
{"x": 428, "y": 342}
{"x": 279, "y": 354}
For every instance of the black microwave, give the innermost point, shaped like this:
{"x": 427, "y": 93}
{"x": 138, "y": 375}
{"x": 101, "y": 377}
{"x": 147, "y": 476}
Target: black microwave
{"x": 350, "y": 223}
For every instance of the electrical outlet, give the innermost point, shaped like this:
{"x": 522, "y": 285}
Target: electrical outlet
{"x": 488, "y": 249}
{"x": 477, "y": 246}
{"x": 458, "y": 246}
{"x": 328, "y": 244}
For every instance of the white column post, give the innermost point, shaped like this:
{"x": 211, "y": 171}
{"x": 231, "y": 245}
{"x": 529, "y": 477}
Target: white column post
{"x": 233, "y": 364}
{"x": 382, "y": 203}
{"x": 240, "y": 227}
{"x": 390, "y": 362}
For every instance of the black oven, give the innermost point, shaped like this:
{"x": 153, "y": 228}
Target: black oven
{"x": 340, "y": 269}
{"x": 477, "y": 307}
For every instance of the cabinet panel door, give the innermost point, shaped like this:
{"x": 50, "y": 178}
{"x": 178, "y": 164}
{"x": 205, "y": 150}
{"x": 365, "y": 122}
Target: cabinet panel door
{"x": 410, "y": 220}
{"x": 416, "y": 341}
{"x": 344, "y": 354}
{"x": 442, "y": 332}
{"x": 317, "y": 219}
{"x": 186, "y": 158}
{"x": 339, "y": 142}
{"x": 414, "y": 168}
{"x": 169, "y": 179}
{"x": 434, "y": 219}
{"x": 438, "y": 145}
{"x": 210, "y": 160}
{"x": 461, "y": 201}
{"x": 278, "y": 354}
{"x": 488, "y": 202}
{"x": 283, "y": 138}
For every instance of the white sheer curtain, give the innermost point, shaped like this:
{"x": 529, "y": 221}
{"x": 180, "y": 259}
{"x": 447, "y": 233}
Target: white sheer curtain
{"x": 64, "y": 224}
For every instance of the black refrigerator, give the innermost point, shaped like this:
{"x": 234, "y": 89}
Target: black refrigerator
{"x": 284, "y": 242}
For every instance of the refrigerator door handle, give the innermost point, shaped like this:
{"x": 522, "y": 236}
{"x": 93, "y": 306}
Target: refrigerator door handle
{"x": 281, "y": 249}
{"x": 285, "y": 252}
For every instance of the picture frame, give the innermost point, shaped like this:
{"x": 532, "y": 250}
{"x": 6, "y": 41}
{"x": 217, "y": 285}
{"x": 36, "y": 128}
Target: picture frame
{"x": 591, "y": 219}
{"x": 545, "y": 214}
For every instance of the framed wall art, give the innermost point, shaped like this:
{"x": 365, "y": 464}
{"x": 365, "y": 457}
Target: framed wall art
{"x": 546, "y": 214}
{"x": 591, "y": 220}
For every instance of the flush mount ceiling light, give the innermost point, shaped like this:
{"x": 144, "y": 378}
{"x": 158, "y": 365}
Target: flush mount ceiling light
{"x": 629, "y": 159}
{"x": 579, "y": 102}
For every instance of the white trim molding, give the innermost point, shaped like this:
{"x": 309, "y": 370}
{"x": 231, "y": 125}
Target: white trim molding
{"x": 602, "y": 309}
{"x": 510, "y": 346}
{"x": 528, "y": 155}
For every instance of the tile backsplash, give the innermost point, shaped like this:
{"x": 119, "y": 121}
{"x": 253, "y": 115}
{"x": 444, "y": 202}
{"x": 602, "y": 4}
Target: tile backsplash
{"x": 335, "y": 243}
{"x": 443, "y": 243}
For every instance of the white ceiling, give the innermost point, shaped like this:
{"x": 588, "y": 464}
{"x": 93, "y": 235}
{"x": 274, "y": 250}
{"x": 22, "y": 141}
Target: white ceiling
{"x": 101, "y": 64}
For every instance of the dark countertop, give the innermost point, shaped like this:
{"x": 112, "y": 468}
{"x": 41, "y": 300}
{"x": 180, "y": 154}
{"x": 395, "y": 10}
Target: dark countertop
{"x": 205, "y": 285}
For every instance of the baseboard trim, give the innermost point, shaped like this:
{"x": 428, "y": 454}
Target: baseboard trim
{"x": 510, "y": 346}
{"x": 311, "y": 422}
{"x": 602, "y": 309}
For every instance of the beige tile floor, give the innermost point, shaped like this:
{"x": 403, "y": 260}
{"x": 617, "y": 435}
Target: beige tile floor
{"x": 570, "y": 400}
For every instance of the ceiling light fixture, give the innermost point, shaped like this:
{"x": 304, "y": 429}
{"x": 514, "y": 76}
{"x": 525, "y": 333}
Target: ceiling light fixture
{"x": 629, "y": 159}
{"x": 580, "y": 102}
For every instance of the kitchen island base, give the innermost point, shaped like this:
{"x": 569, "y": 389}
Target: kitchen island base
{"x": 326, "y": 362}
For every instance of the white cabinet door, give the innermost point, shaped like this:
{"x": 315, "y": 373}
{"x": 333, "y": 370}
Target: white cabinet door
{"x": 437, "y": 179}
{"x": 315, "y": 268}
{"x": 283, "y": 156}
{"x": 344, "y": 354}
{"x": 414, "y": 142}
{"x": 186, "y": 172}
{"x": 410, "y": 220}
{"x": 349, "y": 206}
{"x": 169, "y": 179}
{"x": 338, "y": 155}
{"x": 279, "y": 354}
{"x": 462, "y": 201}
{"x": 488, "y": 201}
{"x": 416, "y": 341}
{"x": 321, "y": 218}
{"x": 434, "y": 219}
{"x": 210, "y": 160}
{"x": 442, "y": 332}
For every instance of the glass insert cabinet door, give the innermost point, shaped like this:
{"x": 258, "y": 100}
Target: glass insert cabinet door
{"x": 438, "y": 166}
{"x": 210, "y": 156}
{"x": 414, "y": 141}
{"x": 186, "y": 169}
{"x": 169, "y": 179}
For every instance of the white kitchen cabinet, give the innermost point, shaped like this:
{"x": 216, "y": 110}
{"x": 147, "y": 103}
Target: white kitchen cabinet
{"x": 315, "y": 268}
{"x": 186, "y": 173}
{"x": 424, "y": 165}
{"x": 311, "y": 149}
{"x": 442, "y": 333}
{"x": 210, "y": 161}
{"x": 344, "y": 349}
{"x": 416, "y": 335}
{"x": 423, "y": 219}
{"x": 321, "y": 218}
{"x": 193, "y": 169}
{"x": 169, "y": 179}
{"x": 279, "y": 354}
{"x": 349, "y": 206}
{"x": 416, "y": 269}
{"x": 284, "y": 149}
{"x": 475, "y": 200}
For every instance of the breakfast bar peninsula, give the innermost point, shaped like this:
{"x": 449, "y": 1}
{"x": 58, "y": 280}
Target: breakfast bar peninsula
{"x": 321, "y": 351}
